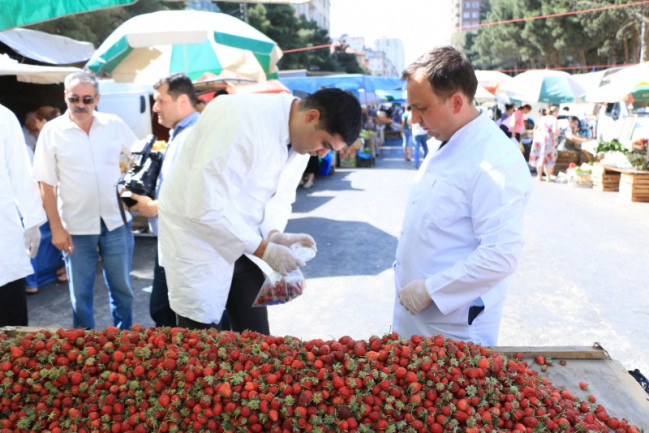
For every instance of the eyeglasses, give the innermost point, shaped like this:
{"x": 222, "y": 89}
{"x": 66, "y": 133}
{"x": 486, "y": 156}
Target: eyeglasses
{"x": 87, "y": 100}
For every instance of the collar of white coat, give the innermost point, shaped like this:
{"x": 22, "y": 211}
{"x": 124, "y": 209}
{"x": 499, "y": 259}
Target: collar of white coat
{"x": 458, "y": 138}
{"x": 98, "y": 117}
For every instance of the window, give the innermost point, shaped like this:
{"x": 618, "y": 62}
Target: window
{"x": 467, "y": 5}
{"x": 475, "y": 15}
{"x": 466, "y": 14}
{"x": 476, "y": 5}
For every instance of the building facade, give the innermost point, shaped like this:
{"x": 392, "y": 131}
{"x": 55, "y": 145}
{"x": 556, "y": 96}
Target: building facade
{"x": 315, "y": 10}
{"x": 394, "y": 54}
{"x": 466, "y": 13}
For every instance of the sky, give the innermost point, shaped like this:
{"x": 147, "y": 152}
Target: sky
{"x": 420, "y": 24}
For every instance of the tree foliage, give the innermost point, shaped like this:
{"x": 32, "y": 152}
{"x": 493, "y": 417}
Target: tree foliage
{"x": 603, "y": 37}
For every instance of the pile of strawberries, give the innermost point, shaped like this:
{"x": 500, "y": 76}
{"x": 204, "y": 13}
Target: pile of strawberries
{"x": 177, "y": 380}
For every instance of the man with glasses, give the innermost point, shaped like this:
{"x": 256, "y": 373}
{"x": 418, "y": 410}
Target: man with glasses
{"x": 77, "y": 165}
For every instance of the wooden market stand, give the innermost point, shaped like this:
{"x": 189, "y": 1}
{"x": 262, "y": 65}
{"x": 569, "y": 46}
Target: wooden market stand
{"x": 607, "y": 379}
{"x": 632, "y": 184}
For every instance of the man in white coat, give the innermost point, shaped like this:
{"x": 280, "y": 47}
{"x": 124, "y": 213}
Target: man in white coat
{"x": 224, "y": 203}
{"x": 16, "y": 188}
{"x": 463, "y": 224}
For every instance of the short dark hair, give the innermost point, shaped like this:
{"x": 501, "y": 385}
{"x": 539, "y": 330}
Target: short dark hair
{"x": 47, "y": 112}
{"x": 340, "y": 112}
{"x": 178, "y": 84}
{"x": 448, "y": 71}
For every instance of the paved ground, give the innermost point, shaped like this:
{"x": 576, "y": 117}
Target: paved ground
{"x": 583, "y": 277}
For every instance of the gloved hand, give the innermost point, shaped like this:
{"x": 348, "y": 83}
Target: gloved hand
{"x": 32, "y": 238}
{"x": 280, "y": 258}
{"x": 288, "y": 239}
{"x": 414, "y": 297}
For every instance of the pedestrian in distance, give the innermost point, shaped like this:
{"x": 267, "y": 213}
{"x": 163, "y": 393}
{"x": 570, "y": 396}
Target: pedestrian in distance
{"x": 77, "y": 165}
{"x": 20, "y": 239}
{"x": 462, "y": 230}
{"x": 227, "y": 200}
{"x": 175, "y": 104}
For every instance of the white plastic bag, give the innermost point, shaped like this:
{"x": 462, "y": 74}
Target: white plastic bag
{"x": 278, "y": 288}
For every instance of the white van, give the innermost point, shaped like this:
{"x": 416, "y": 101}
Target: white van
{"x": 615, "y": 120}
{"x": 131, "y": 102}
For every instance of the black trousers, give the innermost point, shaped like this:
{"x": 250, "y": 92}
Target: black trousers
{"x": 246, "y": 282}
{"x": 13, "y": 304}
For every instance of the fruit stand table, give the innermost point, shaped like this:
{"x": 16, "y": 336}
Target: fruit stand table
{"x": 632, "y": 184}
{"x": 607, "y": 379}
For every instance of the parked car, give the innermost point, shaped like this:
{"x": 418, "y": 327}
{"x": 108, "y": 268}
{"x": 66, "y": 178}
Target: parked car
{"x": 617, "y": 120}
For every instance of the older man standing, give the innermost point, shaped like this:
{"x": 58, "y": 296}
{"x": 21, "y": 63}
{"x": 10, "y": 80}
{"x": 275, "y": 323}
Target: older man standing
{"x": 175, "y": 104}
{"x": 463, "y": 225}
{"x": 16, "y": 188}
{"x": 77, "y": 165}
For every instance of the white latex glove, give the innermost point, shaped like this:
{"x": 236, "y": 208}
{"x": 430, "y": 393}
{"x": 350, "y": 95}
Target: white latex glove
{"x": 280, "y": 258}
{"x": 288, "y": 239}
{"x": 414, "y": 297}
{"x": 32, "y": 238}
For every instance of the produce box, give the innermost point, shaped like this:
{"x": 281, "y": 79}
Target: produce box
{"x": 634, "y": 186}
{"x": 174, "y": 379}
{"x": 347, "y": 157}
{"x": 605, "y": 179}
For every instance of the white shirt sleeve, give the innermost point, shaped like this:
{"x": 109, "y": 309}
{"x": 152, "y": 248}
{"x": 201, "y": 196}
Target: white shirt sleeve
{"x": 25, "y": 190}
{"x": 278, "y": 209}
{"x": 498, "y": 226}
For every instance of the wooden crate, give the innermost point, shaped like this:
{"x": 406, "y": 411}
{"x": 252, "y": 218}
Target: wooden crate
{"x": 605, "y": 179}
{"x": 635, "y": 186}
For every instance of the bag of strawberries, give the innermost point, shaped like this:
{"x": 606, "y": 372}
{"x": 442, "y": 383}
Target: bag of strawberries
{"x": 278, "y": 288}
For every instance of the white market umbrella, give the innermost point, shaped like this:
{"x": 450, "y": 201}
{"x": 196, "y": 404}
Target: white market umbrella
{"x": 34, "y": 73}
{"x": 150, "y": 46}
{"x": 482, "y": 95}
{"x": 618, "y": 85}
{"x": 491, "y": 80}
{"x": 543, "y": 85}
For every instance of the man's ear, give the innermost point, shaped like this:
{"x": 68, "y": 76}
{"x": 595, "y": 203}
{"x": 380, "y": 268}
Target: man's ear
{"x": 458, "y": 102}
{"x": 311, "y": 115}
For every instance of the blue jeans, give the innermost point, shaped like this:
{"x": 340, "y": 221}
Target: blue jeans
{"x": 420, "y": 140}
{"x": 407, "y": 138}
{"x": 159, "y": 308}
{"x": 116, "y": 251}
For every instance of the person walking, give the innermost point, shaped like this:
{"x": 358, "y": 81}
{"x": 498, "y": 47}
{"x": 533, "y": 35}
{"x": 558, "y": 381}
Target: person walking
{"x": 406, "y": 131}
{"x": 517, "y": 122}
{"x": 543, "y": 154}
{"x": 462, "y": 230}
{"x": 77, "y": 165}
{"x": 20, "y": 239}
{"x": 175, "y": 104}
{"x": 228, "y": 197}
{"x": 420, "y": 139}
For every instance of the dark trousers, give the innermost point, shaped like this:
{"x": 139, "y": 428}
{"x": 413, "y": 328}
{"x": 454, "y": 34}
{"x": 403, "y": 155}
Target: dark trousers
{"x": 246, "y": 282}
{"x": 159, "y": 308}
{"x": 13, "y": 304}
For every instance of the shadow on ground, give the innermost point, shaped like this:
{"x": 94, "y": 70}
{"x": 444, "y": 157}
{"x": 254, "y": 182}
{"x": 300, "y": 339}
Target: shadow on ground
{"x": 346, "y": 247}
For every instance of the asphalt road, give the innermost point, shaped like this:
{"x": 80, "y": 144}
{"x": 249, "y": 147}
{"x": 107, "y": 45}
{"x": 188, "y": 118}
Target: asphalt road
{"x": 583, "y": 277}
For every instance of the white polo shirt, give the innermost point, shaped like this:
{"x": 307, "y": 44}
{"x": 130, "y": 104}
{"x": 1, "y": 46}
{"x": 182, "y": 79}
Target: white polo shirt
{"x": 85, "y": 169}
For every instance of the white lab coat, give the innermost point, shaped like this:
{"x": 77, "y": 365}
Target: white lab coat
{"x": 223, "y": 194}
{"x": 18, "y": 193}
{"x": 463, "y": 233}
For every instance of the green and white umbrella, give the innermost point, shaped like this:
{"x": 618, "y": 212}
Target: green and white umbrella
{"x": 150, "y": 46}
{"x": 16, "y": 13}
{"x": 543, "y": 85}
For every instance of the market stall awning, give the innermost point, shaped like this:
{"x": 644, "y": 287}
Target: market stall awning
{"x": 358, "y": 84}
{"x": 47, "y": 48}
{"x": 16, "y": 13}
{"x": 33, "y": 73}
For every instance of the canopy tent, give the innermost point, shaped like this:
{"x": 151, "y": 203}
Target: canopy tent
{"x": 16, "y": 13}
{"x": 47, "y": 48}
{"x": 33, "y": 73}
{"x": 617, "y": 86}
{"x": 367, "y": 88}
{"x": 491, "y": 80}
{"x": 543, "y": 85}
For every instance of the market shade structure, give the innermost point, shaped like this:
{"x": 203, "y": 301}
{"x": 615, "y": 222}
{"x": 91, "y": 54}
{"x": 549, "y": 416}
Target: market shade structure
{"x": 46, "y": 47}
{"x": 618, "y": 85}
{"x": 33, "y": 73}
{"x": 543, "y": 85}
{"x": 362, "y": 86}
{"x": 150, "y": 46}
{"x": 16, "y": 13}
{"x": 491, "y": 80}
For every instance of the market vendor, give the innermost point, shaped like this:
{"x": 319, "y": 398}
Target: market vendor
{"x": 462, "y": 231}
{"x": 571, "y": 133}
{"x": 228, "y": 197}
